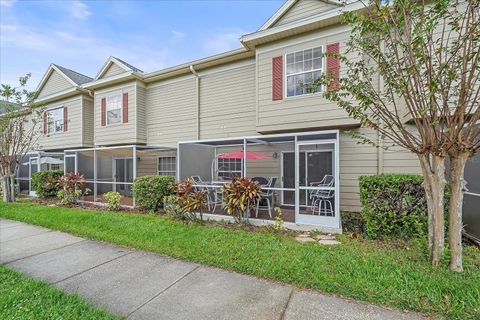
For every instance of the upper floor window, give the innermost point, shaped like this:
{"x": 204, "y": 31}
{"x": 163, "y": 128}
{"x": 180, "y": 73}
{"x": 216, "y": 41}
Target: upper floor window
{"x": 167, "y": 166}
{"x": 229, "y": 168}
{"x": 114, "y": 109}
{"x": 303, "y": 67}
{"x": 55, "y": 120}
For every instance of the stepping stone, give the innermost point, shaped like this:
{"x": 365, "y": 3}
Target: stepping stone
{"x": 329, "y": 242}
{"x": 304, "y": 239}
{"x": 325, "y": 237}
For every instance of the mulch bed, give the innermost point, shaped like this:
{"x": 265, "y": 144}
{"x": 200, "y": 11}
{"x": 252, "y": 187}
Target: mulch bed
{"x": 222, "y": 224}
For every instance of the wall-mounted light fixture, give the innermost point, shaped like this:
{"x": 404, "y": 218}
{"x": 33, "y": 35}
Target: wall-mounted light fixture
{"x": 275, "y": 155}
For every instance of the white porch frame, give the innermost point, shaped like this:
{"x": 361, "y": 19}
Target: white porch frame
{"x": 95, "y": 150}
{"x": 299, "y": 139}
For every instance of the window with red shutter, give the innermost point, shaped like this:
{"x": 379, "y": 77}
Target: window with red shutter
{"x": 125, "y": 107}
{"x": 277, "y": 78}
{"x": 104, "y": 112}
{"x": 333, "y": 66}
{"x": 65, "y": 119}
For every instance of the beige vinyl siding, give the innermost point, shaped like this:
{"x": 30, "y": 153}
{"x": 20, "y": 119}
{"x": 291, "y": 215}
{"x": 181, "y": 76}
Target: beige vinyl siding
{"x": 112, "y": 70}
{"x": 88, "y": 122}
{"x": 147, "y": 164}
{"x": 310, "y": 111}
{"x": 73, "y": 137}
{"x": 171, "y": 112}
{"x": 302, "y": 9}
{"x": 227, "y": 102}
{"x": 118, "y": 133}
{"x": 141, "y": 111}
{"x": 355, "y": 160}
{"x": 55, "y": 83}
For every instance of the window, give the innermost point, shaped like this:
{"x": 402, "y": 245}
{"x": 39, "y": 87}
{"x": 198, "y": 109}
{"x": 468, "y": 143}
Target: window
{"x": 54, "y": 166}
{"x": 55, "y": 120}
{"x": 114, "y": 109}
{"x": 229, "y": 168}
{"x": 303, "y": 67}
{"x": 167, "y": 166}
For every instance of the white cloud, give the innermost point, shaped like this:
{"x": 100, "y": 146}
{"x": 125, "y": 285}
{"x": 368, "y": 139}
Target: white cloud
{"x": 77, "y": 9}
{"x": 7, "y": 3}
{"x": 223, "y": 41}
{"x": 178, "y": 35}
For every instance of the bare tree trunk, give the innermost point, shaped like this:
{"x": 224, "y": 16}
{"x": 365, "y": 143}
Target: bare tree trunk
{"x": 455, "y": 225}
{"x": 13, "y": 195}
{"x": 433, "y": 168}
{"x": 7, "y": 189}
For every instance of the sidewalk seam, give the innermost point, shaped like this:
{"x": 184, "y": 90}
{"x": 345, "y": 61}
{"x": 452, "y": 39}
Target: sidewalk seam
{"x": 32, "y": 235}
{"x": 162, "y": 291}
{"x": 91, "y": 268}
{"x": 36, "y": 254}
{"x": 282, "y": 316}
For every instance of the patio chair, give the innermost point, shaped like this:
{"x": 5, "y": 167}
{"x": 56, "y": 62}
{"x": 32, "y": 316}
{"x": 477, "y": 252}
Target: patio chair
{"x": 267, "y": 196}
{"x": 212, "y": 194}
{"x": 260, "y": 180}
{"x": 322, "y": 198}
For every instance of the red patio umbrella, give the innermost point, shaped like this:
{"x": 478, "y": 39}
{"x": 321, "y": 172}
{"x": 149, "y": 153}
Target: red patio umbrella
{"x": 240, "y": 155}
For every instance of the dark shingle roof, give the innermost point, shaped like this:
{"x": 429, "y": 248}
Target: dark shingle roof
{"x": 129, "y": 65}
{"x": 76, "y": 77}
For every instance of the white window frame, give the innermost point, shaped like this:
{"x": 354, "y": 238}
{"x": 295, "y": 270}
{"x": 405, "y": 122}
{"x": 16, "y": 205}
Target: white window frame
{"x": 285, "y": 76}
{"x": 54, "y": 127}
{"x": 167, "y": 172}
{"x": 239, "y": 172}
{"x": 110, "y": 95}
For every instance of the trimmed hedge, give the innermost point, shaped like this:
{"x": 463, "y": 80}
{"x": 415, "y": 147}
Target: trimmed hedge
{"x": 393, "y": 205}
{"x": 149, "y": 191}
{"x": 45, "y": 183}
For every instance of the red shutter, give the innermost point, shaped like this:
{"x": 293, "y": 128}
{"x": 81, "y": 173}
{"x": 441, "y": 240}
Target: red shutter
{"x": 277, "y": 78}
{"x": 104, "y": 111}
{"x": 65, "y": 119}
{"x": 44, "y": 123}
{"x": 333, "y": 65}
{"x": 125, "y": 107}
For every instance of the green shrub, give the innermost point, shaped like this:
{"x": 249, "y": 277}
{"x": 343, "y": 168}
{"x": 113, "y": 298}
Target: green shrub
{"x": 393, "y": 205}
{"x": 72, "y": 188}
{"x": 45, "y": 183}
{"x": 352, "y": 221}
{"x": 113, "y": 200}
{"x": 149, "y": 191}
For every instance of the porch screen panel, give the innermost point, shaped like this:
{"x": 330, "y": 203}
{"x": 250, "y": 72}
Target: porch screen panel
{"x": 317, "y": 180}
{"x": 196, "y": 160}
{"x": 272, "y": 165}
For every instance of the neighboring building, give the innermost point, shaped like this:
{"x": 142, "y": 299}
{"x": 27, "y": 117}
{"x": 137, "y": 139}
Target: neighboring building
{"x": 126, "y": 123}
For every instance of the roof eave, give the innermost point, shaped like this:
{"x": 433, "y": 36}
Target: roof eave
{"x": 60, "y": 95}
{"x": 122, "y": 77}
{"x": 212, "y": 61}
{"x": 327, "y": 18}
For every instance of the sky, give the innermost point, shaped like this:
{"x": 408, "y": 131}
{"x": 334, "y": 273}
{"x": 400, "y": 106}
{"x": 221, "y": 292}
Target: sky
{"x": 151, "y": 35}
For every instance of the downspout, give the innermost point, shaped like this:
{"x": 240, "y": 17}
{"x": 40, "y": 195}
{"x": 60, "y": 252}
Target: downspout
{"x": 197, "y": 79}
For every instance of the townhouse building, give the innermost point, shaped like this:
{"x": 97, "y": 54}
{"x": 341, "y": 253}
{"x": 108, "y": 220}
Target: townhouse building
{"x": 242, "y": 112}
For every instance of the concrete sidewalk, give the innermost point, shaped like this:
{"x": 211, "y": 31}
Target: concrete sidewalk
{"x": 141, "y": 285}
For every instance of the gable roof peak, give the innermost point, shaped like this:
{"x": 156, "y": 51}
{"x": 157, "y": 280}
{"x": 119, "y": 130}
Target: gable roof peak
{"x": 128, "y": 65}
{"x": 288, "y": 5}
{"x": 75, "y": 76}
{"x": 122, "y": 64}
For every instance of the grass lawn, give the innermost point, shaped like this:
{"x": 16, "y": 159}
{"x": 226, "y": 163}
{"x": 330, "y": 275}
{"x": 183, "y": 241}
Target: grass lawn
{"x": 366, "y": 270}
{"x": 26, "y": 298}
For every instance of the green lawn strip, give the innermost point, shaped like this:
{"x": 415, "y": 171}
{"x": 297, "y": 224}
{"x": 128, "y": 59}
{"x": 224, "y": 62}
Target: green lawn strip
{"x": 25, "y": 298}
{"x": 358, "y": 269}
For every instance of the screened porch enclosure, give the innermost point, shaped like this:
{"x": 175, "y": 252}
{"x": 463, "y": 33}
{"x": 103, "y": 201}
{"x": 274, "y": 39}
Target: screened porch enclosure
{"x": 298, "y": 173}
{"x": 108, "y": 169}
{"x": 34, "y": 162}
